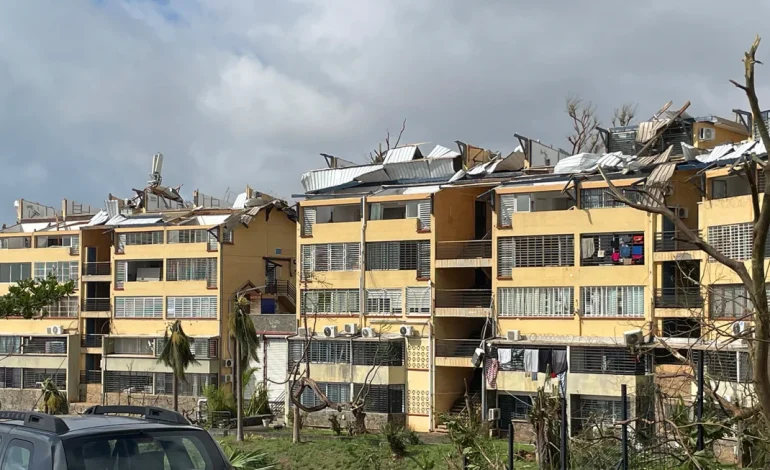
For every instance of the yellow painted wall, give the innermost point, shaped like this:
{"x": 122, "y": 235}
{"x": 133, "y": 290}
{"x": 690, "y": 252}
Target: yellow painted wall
{"x": 721, "y": 136}
{"x": 449, "y": 386}
{"x": 97, "y": 238}
{"x": 454, "y": 210}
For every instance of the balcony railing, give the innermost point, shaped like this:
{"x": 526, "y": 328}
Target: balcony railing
{"x": 100, "y": 268}
{"x": 674, "y": 240}
{"x": 91, "y": 341}
{"x": 282, "y": 288}
{"x": 471, "y": 249}
{"x": 90, "y": 377}
{"x": 96, "y": 305}
{"x": 464, "y": 298}
{"x": 456, "y": 347}
{"x": 678, "y": 297}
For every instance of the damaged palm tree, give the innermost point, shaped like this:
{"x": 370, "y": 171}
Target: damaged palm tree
{"x": 246, "y": 340}
{"x": 544, "y": 417}
{"x": 54, "y": 400}
{"x": 177, "y": 355}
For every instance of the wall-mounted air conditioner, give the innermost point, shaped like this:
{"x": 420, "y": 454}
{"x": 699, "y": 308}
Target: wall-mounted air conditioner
{"x": 368, "y": 332}
{"x": 330, "y": 331}
{"x": 351, "y": 328}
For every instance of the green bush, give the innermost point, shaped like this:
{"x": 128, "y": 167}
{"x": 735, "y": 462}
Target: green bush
{"x": 398, "y": 438}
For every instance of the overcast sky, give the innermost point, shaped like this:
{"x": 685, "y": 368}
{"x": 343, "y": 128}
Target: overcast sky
{"x": 237, "y": 92}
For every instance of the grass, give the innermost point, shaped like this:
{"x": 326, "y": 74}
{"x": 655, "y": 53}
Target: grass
{"x": 323, "y": 451}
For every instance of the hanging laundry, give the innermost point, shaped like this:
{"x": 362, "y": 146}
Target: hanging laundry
{"x": 587, "y": 247}
{"x": 615, "y": 256}
{"x": 625, "y": 251}
{"x": 559, "y": 361}
{"x": 544, "y": 361}
{"x": 504, "y": 356}
{"x": 531, "y": 360}
{"x": 492, "y": 366}
{"x": 517, "y": 358}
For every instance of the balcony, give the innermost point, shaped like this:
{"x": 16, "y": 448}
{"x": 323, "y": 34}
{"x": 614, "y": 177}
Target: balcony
{"x": 96, "y": 305}
{"x": 100, "y": 268}
{"x": 463, "y": 303}
{"x": 678, "y": 297}
{"x": 455, "y": 352}
{"x": 90, "y": 377}
{"x": 674, "y": 240}
{"x": 91, "y": 341}
{"x": 464, "y": 254}
{"x": 282, "y": 289}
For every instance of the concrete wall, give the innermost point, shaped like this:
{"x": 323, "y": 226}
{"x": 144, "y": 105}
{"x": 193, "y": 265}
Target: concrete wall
{"x": 373, "y": 421}
{"x": 19, "y": 400}
{"x": 186, "y": 404}
{"x": 275, "y": 323}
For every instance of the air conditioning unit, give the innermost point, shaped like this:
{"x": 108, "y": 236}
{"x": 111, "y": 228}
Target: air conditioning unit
{"x": 739, "y": 328}
{"x": 229, "y": 363}
{"x": 478, "y": 355}
{"x": 706, "y": 133}
{"x": 330, "y": 331}
{"x": 302, "y": 332}
{"x": 493, "y": 414}
{"x": 55, "y": 330}
{"x": 368, "y": 332}
{"x": 633, "y": 337}
{"x": 513, "y": 335}
{"x": 406, "y": 330}
{"x": 680, "y": 212}
{"x": 227, "y": 378}
{"x": 351, "y": 328}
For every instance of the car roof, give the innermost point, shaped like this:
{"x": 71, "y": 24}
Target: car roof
{"x": 81, "y": 425}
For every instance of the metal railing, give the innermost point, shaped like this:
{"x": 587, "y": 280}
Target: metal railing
{"x": 282, "y": 288}
{"x": 44, "y": 345}
{"x": 456, "y": 347}
{"x": 96, "y": 305}
{"x": 99, "y": 268}
{"x": 674, "y": 240}
{"x": 91, "y": 341}
{"x": 470, "y": 249}
{"x": 678, "y": 297}
{"x": 90, "y": 377}
{"x": 463, "y": 298}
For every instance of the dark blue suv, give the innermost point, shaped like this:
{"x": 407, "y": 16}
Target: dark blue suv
{"x": 98, "y": 440}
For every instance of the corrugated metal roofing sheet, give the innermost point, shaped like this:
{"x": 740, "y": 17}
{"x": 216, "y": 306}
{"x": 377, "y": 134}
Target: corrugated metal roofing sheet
{"x": 402, "y": 154}
{"x": 211, "y": 219}
{"x": 330, "y": 177}
{"x": 439, "y": 151}
{"x": 123, "y": 221}
{"x": 732, "y": 152}
{"x": 240, "y": 201}
{"x": 649, "y": 129}
{"x": 100, "y": 218}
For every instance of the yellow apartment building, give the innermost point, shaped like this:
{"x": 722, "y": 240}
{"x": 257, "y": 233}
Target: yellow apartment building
{"x": 140, "y": 264}
{"x": 523, "y": 259}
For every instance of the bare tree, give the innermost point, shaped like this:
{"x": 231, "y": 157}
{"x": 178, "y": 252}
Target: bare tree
{"x": 378, "y": 154}
{"x": 585, "y": 135}
{"x": 624, "y": 115}
{"x": 652, "y": 200}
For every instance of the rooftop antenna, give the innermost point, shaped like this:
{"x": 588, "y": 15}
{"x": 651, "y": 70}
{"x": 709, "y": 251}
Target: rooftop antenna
{"x": 157, "y": 168}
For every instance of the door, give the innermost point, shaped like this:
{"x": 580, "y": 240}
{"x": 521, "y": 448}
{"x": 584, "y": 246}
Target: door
{"x": 480, "y": 220}
{"x": 91, "y": 254}
{"x": 276, "y": 361}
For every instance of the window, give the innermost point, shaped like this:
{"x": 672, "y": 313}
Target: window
{"x": 330, "y": 301}
{"x": 15, "y": 243}
{"x": 378, "y": 352}
{"x": 402, "y": 210}
{"x": 138, "y": 307}
{"x": 10, "y": 377}
{"x": 336, "y": 392}
{"x": 32, "y": 378}
{"x": 604, "y": 410}
{"x": 228, "y": 235}
{"x": 382, "y": 398}
{"x": 15, "y": 272}
{"x": 535, "y": 301}
{"x": 598, "y": 198}
{"x": 192, "y": 269}
{"x": 730, "y": 186}
{"x": 612, "y": 301}
{"x": 191, "y": 307}
{"x": 321, "y": 351}
{"x": 330, "y": 257}
{"x": 192, "y": 386}
{"x": 383, "y": 302}
{"x": 10, "y": 344}
{"x": 141, "y": 238}
{"x": 65, "y": 308}
{"x": 63, "y": 270}
{"x": 730, "y": 301}
{"x": 418, "y": 300}
{"x": 720, "y": 365}
{"x": 47, "y": 241}
{"x": 608, "y": 249}
{"x": 534, "y": 251}
{"x": 187, "y": 449}
{"x": 405, "y": 256}
{"x": 511, "y": 203}
{"x": 188, "y": 236}
{"x": 18, "y": 455}
{"x": 127, "y": 382}
{"x": 138, "y": 346}
{"x": 614, "y": 361}
{"x": 734, "y": 241}
{"x": 513, "y": 407}
{"x": 328, "y": 215}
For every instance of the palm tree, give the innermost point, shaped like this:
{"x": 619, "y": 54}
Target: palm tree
{"x": 54, "y": 400}
{"x": 246, "y": 347}
{"x": 177, "y": 355}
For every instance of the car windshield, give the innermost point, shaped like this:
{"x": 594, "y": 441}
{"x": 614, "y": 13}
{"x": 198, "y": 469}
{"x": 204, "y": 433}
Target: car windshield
{"x": 180, "y": 449}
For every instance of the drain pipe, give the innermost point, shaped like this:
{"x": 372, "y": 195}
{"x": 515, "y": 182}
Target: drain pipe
{"x": 362, "y": 266}
{"x": 431, "y": 368}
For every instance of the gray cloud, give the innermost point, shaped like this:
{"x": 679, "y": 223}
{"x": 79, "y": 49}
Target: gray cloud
{"x": 251, "y": 92}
